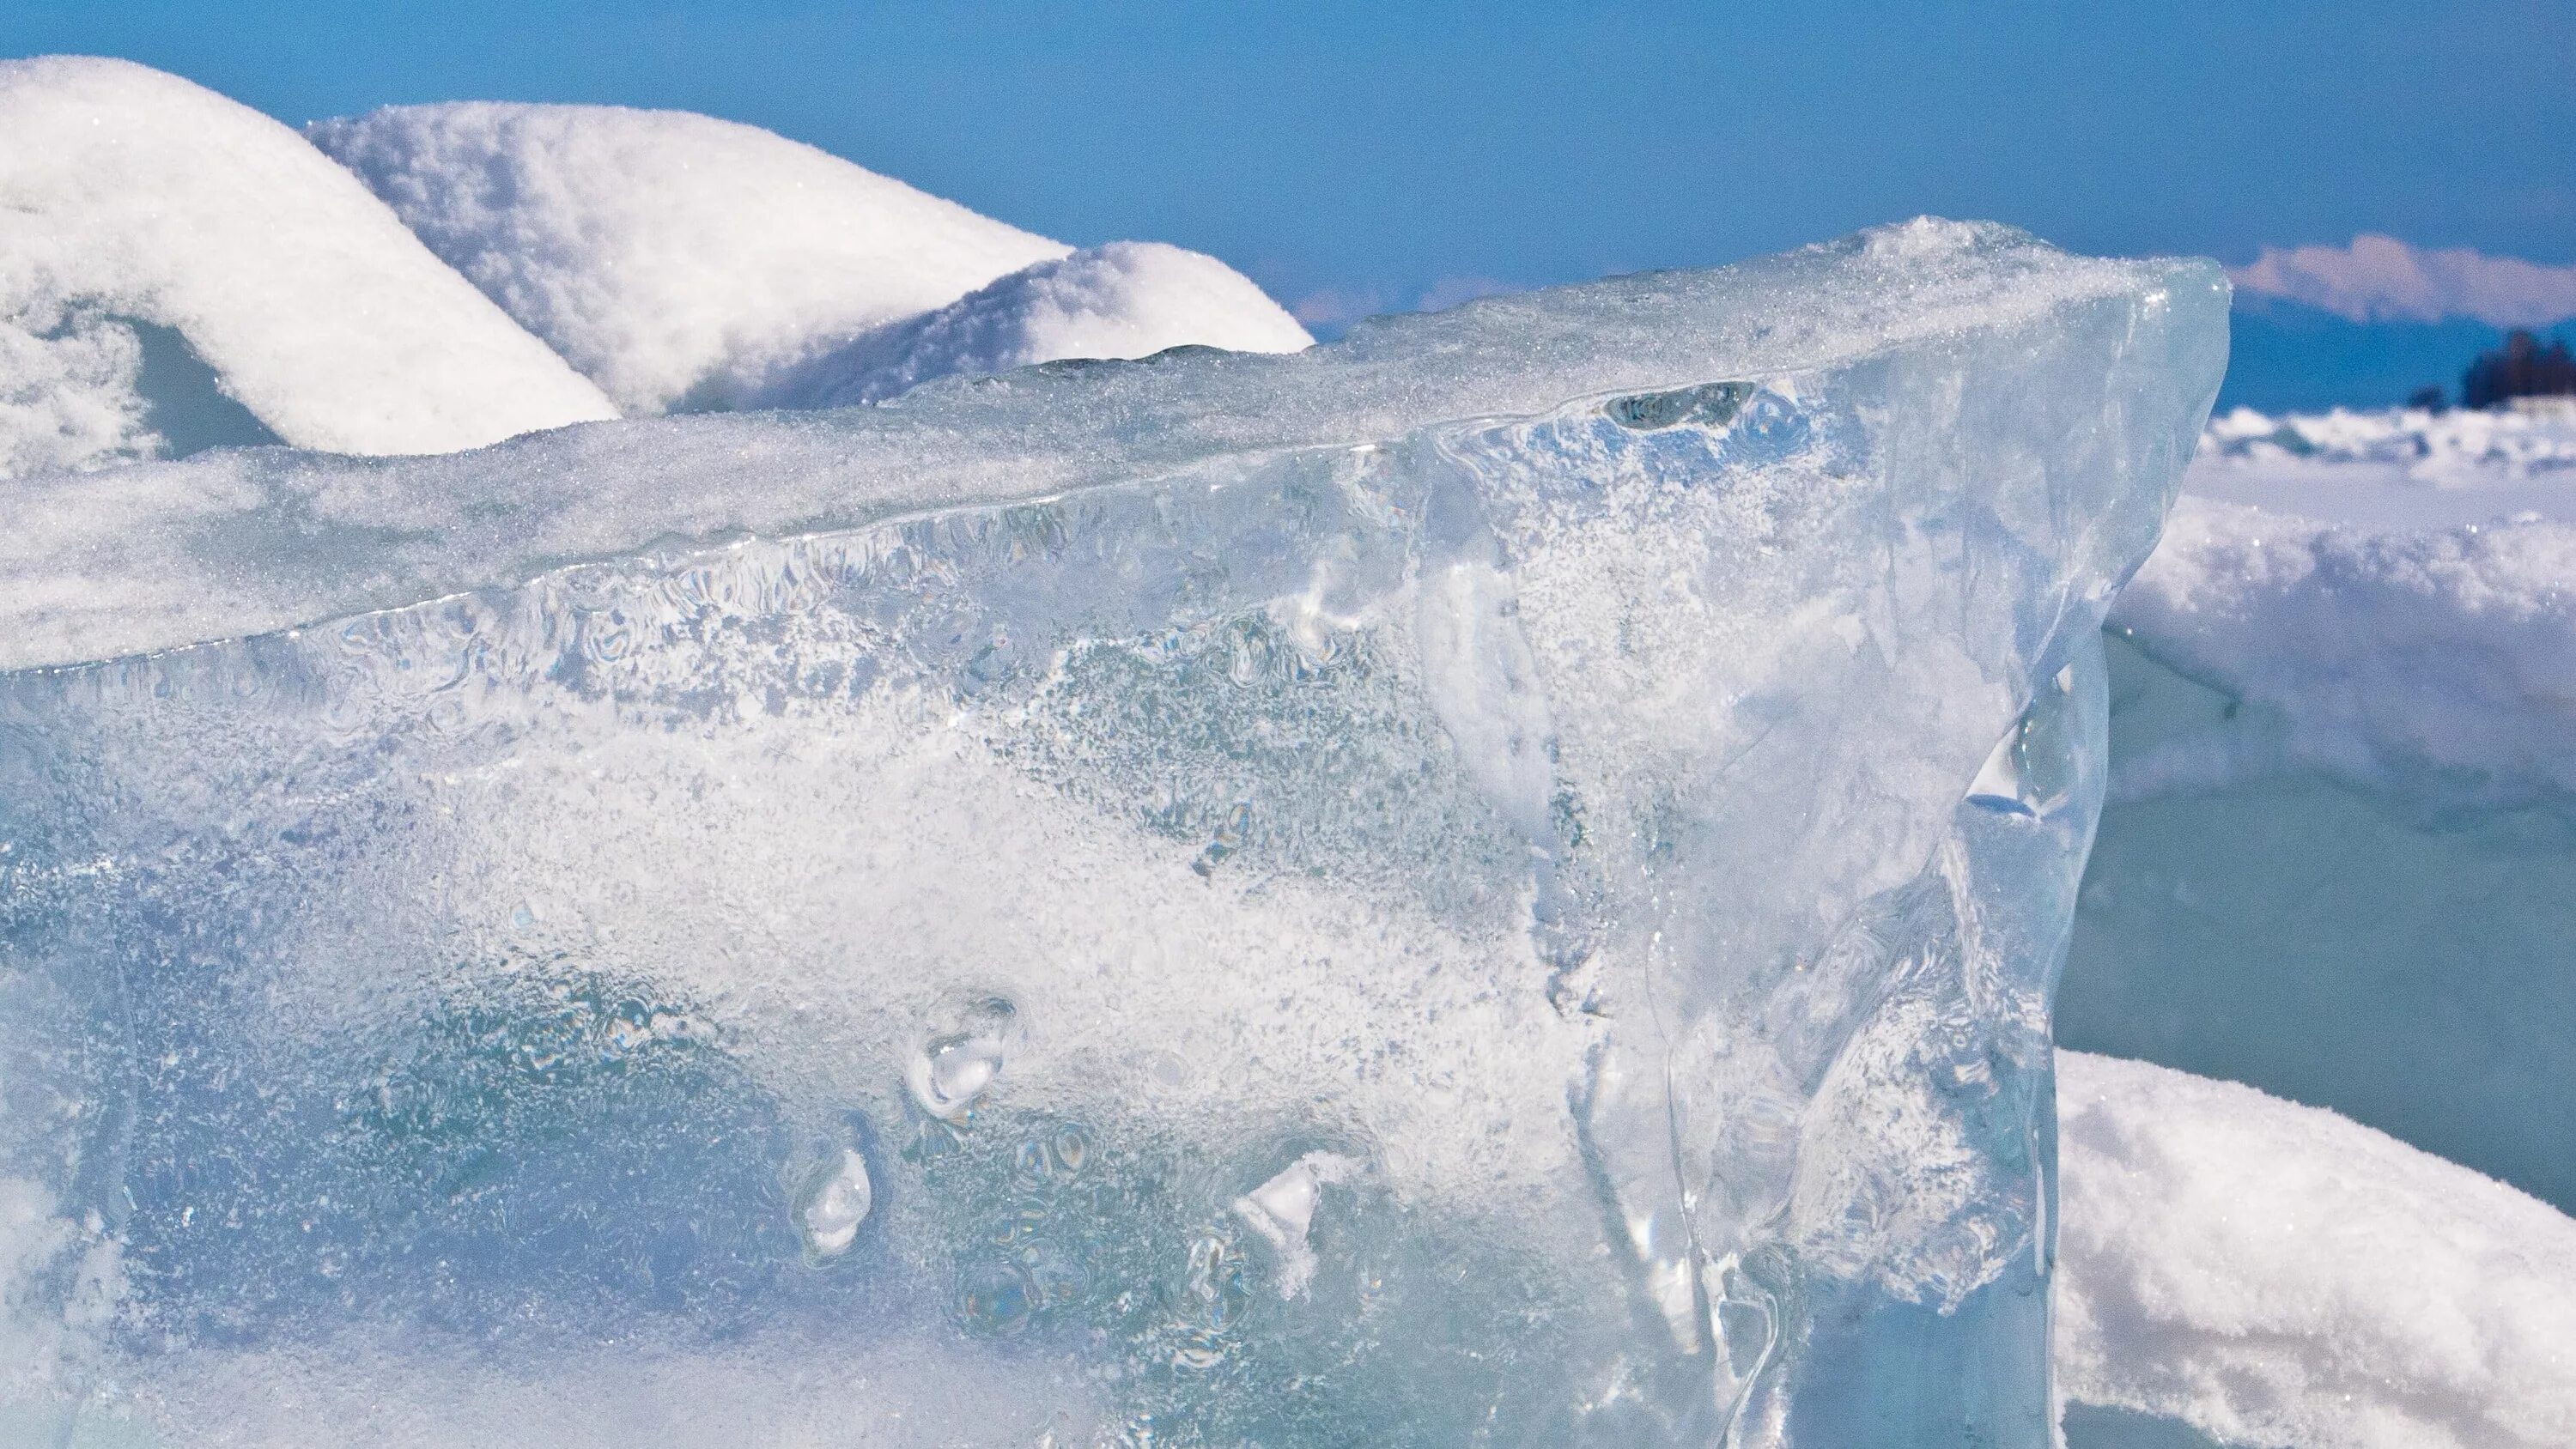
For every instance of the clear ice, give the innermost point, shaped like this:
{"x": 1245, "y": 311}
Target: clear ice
{"x": 1498, "y": 882}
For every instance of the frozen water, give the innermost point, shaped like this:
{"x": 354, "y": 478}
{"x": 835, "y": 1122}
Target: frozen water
{"x": 2336, "y": 863}
{"x": 178, "y": 271}
{"x": 1497, "y": 881}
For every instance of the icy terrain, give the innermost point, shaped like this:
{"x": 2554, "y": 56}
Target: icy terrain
{"x": 1498, "y": 879}
{"x": 2337, "y": 859}
{"x": 178, "y": 271}
{"x": 1124, "y": 300}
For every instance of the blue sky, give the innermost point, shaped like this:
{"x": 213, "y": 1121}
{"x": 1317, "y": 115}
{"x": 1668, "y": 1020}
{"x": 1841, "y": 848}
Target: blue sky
{"x": 1384, "y": 150}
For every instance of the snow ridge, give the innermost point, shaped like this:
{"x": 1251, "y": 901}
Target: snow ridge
{"x": 2275, "y": 1274}
{"x": 680, "y": 261}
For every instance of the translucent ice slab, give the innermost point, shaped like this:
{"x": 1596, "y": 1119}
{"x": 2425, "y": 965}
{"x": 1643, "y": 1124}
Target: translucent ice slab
{"x": 1497, "y": 882}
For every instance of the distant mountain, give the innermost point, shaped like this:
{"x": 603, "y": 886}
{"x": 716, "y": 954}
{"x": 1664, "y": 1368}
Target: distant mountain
{"x": 2368, "y": 324}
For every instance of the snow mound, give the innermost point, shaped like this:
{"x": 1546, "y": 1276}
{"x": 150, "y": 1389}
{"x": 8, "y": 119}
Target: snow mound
{"x": 177, "y": 269}
{"x": 2428, "y": 664}
{"x": 2273, "y": 1274}
{"x": 678, "y": 260}
{"x": 1123, "y": 300}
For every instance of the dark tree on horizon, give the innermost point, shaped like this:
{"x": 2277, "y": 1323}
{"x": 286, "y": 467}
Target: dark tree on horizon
{"x": 2523, "y": 367}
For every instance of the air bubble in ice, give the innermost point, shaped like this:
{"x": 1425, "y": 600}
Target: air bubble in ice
{"x": 956, "y": 1066}
{"x": 1283, "y": 1209}
{"x": 995, "y": 1299}
{"x": 835, "y": 1201}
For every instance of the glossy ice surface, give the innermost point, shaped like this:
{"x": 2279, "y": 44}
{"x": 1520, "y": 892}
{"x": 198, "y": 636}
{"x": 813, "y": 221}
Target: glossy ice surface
{"x": 1496, "y": 882}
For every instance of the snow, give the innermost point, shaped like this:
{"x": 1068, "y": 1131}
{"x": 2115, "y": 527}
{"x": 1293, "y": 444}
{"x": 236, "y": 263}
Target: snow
{"x": 2430, "y": 663}
{"x": 2400, "y": 468}
{"x": 2273, "y": 1274}
{"x": 135, "y": 205}
{"x": 2392, "y": 589}
{"x": 1124, "y": 300}
{"x": 680, "y": 261}
{"x": 2380, "y": 278}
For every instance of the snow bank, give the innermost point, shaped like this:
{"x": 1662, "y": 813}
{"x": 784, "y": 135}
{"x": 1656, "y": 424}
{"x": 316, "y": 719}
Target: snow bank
{"x": 2338, "y": 861}
{"x": 1123, "y": 300}
{"x": 678, "y": 260}
{"x": 2431, "y": 664}
{"x": 174, "y": 264}
{"x": 2275, "y": 1275}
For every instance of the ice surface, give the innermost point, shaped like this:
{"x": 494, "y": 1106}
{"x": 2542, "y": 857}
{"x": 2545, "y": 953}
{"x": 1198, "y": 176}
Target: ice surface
{"x": 2271, "y": 1274}
{"x": 1127, "y": 299}
{"x": 177, "y": 270}
{"x": 1497, "y": 881}
{"x": 679, "y": 260}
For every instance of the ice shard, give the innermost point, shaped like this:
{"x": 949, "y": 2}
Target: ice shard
{"x": 1497, "y": 882}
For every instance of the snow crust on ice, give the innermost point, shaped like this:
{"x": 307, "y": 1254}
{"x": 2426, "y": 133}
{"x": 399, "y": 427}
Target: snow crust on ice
{"x": 173, "y": 264}
{"x": 158, "y": 555}
{"x": 680, "y": 261}
{"x": 2396, "y": 469}
{"x": 2275, "y": 1275}
{"x": 1123, "y": 300}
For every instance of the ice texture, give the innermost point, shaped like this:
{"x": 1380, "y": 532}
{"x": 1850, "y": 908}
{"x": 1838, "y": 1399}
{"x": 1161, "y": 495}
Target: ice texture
{"x": 178, "y": 271}
{"x": 1494, "y": 882}
{"x": 2271, "y": 1274}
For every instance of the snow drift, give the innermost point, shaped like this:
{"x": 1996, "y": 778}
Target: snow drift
{"x": 1124, "y": 300}
{"x": 176, "y": 270}
{"x": 2272, "y": 1274}
{"x": 680, "y": 261}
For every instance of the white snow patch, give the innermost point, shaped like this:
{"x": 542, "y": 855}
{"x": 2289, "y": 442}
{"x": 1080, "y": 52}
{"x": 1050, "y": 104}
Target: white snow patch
{"x": 2274, "y": 1274}
{"x": 2394, "y": 468}
{"x": 2435, "y": 663}
{"x": 1123, "y": 300}
{"x": 2379, "y": 278}
{"x": 680, "y": 261}
{"x": 131, "y": 200}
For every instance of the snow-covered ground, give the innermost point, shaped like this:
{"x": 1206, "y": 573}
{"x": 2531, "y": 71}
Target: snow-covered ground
{"x": 2273, "y": 1274}
{"x": 179, "y": 272}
